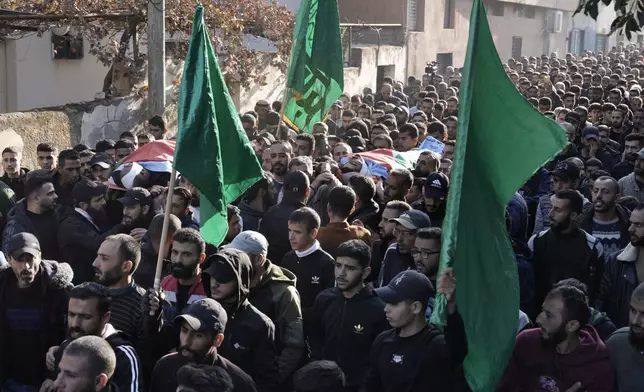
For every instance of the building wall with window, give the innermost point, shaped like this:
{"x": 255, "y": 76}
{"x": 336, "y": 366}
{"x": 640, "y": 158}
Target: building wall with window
{"x": 31, "y": 78}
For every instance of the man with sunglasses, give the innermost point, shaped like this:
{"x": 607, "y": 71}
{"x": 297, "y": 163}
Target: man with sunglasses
{"x": 398, "y": 257}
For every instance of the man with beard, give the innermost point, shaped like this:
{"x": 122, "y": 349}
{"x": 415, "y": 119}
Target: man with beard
{"x": 33, "y": 299}
{"x": 36, "y": 214}
{"x": 67, "y": 175}
{"x": 426, "y": 253}
{"x": 623, "y": 272}
{"x": 180, "y": 207}
{"x": 563, "y": 354}
{"x": 137, "y": 211}
{"x": 397, "y": 185}
{"x": 82, "y": 230}
{"x": 202, "y": 325}
{"x": 88, "y": 314}
{"x": 434, "y": 198}
{"x": 250, "y": 334}
{"x": 386, "y": 227}
{"x": 618, "y": 129}
{"x": 565, "y": 176}
{"x": 606, "y": 220}
{"x": 280, "y": 153}
{"x": 151, "y": 246}
{"x": 633, "y": 143}
{"x": 398, "y": 257}
{"x": 626, "y": 346}
{"x": 256, "y": 201}
{"x": 100, "y": 168}
{"x": 564, "y": 250}
{"x": 87, "y": 365}
{"x": 345, "y": 319}
{"x": 632, "y": 184}
{"x": 116, "y": 260}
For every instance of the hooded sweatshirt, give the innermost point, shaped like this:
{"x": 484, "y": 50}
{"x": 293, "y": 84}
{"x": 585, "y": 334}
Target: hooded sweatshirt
{"x": 250, "y": 216}
{"x": 250, "y": 335}
{"x": 535, "y": 367}
{"x": 276, "y": 296}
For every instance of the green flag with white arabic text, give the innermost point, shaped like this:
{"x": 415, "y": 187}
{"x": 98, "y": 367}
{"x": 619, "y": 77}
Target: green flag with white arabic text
{"x": 316, "y": 74}
{"x": 501, "y": 141}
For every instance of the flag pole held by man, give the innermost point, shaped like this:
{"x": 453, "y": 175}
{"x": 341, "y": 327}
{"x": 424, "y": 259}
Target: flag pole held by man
{"x": 502, "y": 141}
{"x": 212, "y": 150}
{"x": 316, "y": 74}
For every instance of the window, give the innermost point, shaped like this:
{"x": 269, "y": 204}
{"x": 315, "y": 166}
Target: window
{"x": 528, "y": 11}
{"x": 448, "y": 17}
{"x": 517, "y": 43}
{"x": 600, "y": 43}
{"x": 497, "y": 8}
{"x": 444, "y": 60}
{"x": 67, "y": 47}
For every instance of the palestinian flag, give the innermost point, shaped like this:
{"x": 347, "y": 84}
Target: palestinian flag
{"x": 156, "y": 157}
{"x": 378, "y": 163}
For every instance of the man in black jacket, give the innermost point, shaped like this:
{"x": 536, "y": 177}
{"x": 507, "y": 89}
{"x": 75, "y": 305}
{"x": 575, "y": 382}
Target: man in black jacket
{"x": 312, "y": 266}
{"x": 67, "y": 175}
{"x": 88, "y": 314}
{"x": 14, "y": 174}
{"x": 346, "y": 319}
{"x": 36, "y": 214}
{"x": 202, "y": 326}
{"x": 367, "y": 210}
{"x": 250, "y": 334}
{"x": 623, "y": 272}
{"x": 386, "y": 227}
{"x": 137, "y": 211}
{"x": 606, "y": 220}
{"x": 81, "y": 231}
{"x": 274, "y": 225}
{"x": 33, "y": 299}
{"x": 415, "y": 355}
{"x": 564, "y": 250}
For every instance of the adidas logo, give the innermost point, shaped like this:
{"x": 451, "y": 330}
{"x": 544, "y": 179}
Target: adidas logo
{"x": 437, "y": 184}
{"x": 358, "y": 328}
{"x": 315, "y": 279}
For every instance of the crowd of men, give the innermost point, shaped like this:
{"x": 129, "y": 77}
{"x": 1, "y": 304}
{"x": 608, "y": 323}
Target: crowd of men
{"x": 327, "y": 278}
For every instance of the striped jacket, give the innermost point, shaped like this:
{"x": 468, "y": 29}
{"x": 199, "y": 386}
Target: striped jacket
{"x": 170, "y": 286}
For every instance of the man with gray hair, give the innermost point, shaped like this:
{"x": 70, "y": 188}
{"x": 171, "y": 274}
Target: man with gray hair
{"x": 273, "y": 292}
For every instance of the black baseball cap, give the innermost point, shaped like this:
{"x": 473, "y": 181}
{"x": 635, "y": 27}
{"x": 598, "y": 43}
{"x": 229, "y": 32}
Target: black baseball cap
{"x": 407, "y": 285}
{"x": 295, "y": 184}
{"x": 414, "y": 220}
{"x": 85, "y": 189}
{"x": 436, "y": 186}
{"x": 566, "y": 171}
{"x": 136, "y": 195}
{"x": 22, "y": 243}
{"x": 221, "y": 268}
{"x": 101, "y": 160}
{"x": 204, "y": 315}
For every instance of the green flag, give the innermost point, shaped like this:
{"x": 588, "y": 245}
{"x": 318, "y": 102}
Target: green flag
{"x": 213, "y": 151}
{"x": 316, "y": 74}
{"x": 502, "y": 141}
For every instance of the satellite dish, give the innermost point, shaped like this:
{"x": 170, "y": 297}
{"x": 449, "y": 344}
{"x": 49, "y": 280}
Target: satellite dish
{"x": 60, "y": 30}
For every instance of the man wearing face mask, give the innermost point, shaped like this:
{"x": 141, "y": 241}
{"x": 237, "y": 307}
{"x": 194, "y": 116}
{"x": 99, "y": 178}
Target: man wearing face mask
{"x": 82, "y": 230}
{"x": 250, "y": 334}
{"x": 434, "y": 198}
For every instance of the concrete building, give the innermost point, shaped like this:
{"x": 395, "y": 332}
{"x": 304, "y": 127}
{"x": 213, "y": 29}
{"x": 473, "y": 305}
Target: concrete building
{"x": 437, "y": 30}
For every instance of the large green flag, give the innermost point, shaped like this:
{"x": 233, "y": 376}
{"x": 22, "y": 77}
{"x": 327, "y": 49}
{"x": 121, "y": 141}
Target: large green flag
{"x": 502, "y": 141}
{"x": 213, "y": 151}
{"x": 316, "y": 74}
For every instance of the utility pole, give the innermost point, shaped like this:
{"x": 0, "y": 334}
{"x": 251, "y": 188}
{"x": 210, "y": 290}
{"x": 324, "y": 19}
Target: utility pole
{"x": 156, "y": 58}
